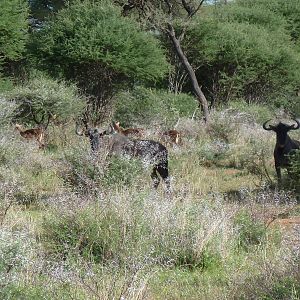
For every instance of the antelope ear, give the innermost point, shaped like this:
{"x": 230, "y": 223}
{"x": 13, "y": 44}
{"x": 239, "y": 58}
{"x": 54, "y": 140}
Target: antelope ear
{"x": 114, "y": 125}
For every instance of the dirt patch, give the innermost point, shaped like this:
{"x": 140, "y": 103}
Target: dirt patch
{"x": 290, "y": 228}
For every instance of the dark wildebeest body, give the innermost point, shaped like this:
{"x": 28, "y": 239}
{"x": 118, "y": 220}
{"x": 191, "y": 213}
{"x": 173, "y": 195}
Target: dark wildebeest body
{"x": 284, "y": 146}
{"x": 148, "y": 151}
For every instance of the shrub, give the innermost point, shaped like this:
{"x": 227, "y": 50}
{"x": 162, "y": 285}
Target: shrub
{"x": 82, "y": 172}
{"x": 15, "y": 255}
{"x": 286, "y": 288}
{"x": 259, "y": 113}
{"x": 225, "y": 125}
{"x": 7, "y": 109}
{"x": 121, "y": 171}
{"x": 242, "y": 54}
{"x": 294, "y": 171}
{"x": 13, "y": 29}
{"x": 86, "y": 172}
{"x": 212, "y": 153}
{"x": 250, "y": 232}
{"x": 38, "y": 182}
{"x": 147, "y": 106}
{"x": 42, "y": 97}
{"x": 94, "y": 234}
{"x": 31, "y": 175}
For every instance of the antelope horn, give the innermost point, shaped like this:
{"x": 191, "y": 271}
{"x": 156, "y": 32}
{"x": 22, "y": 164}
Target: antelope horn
{"x": 265, "y": 125}
{"x": 78, "y": 131}
{"x": 294, "y": 126}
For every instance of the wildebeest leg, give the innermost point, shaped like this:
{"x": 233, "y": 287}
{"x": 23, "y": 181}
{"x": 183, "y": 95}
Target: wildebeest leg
{"x": 155, "y": 178}
{"x": 278, "y": 172}
{"x": 164, "y": 173}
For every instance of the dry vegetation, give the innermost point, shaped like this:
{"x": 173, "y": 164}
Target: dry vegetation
{"x": 73, "y": 227}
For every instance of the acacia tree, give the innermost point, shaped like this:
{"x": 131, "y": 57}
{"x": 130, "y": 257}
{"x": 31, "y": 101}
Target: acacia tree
{"x": 41, "y": 100}
{"x": 245, "y": 52}
{"x": 91, "y": 43}
{"x": 172, "y": 18}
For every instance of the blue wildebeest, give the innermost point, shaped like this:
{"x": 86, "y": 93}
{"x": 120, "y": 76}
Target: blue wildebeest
{"x": 148, "y": 151}
{"x": 284, "y": 144}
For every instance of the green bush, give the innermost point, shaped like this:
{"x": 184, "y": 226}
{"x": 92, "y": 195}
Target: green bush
{"x": 148, "y": 106}
{"x": 38, "y": 183}
{"x": 81, "y": 171}
{"x": 121, "y": 172}
{"x": 213, "y": 153}
{"x": 94, "y": 234}
{"x": 294, "y": 171}
{"x": 287, "y": 288}
{"x": 250, "y": 232}
{"x": 15, "y": 253}
{"x": 33, "y": 176}
{"x": 114, "y": 233}
{"x": 244, "y": 57}
{"x": 42, "y": 97}
{"x": 86, "y": 172}
{"x": 13, "y": 29}
{"x": 7, "y": 109}
{"x": 24, "y": 291}
{"x": 260, "y": 113}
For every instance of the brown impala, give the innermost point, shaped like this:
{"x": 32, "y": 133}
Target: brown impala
{"x": 32, "y": 134}
{"x": 130, "y": 132}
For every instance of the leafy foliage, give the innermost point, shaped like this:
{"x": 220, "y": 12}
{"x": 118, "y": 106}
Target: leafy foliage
{"x": 148, "y": 106}
{"x": 289, "y": 11}
{"x": 94, "y": 33}
{"x": 91, "y": 43}
{"x": 243, "y": 57}
{"x": 42, "y": 97}
{"x": 13, "y": 28}
{"x": 250, "y": 233}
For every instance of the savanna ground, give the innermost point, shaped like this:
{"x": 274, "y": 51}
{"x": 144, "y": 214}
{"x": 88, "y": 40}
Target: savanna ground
{"x": 78, "y": 227}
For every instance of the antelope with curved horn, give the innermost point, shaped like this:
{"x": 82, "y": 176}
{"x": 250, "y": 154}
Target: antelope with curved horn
{"x": 37, "y": 134}
{"x": 284, "y": 144}
{"x": 172, "y": 137}
{"x": 130, "y": 132}
{"x": 148, "y": 151}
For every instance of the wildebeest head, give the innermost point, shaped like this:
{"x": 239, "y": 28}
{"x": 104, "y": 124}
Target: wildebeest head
{"x": 281, "y": 130}
{"x": 93, "y": 134}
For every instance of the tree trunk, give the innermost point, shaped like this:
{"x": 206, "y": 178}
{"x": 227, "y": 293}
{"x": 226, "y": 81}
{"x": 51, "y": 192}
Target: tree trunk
{"x": 191, "y": 73}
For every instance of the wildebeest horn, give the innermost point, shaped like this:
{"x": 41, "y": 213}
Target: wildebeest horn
{"x": 294, "y": 127}
{"x": 80, "y": 131}
{"x": 265, "y": 125}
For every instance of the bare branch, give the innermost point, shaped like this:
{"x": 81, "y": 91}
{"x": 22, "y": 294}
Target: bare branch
{"x": 187, "y": 7}
{"x": 169, "y": 7}
{"x": 196, "y": 9}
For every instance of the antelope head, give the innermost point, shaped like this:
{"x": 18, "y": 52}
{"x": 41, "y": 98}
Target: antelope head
{"x": 92, "y": 133}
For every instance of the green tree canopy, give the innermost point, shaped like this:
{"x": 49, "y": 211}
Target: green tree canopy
{"x": 96, "y": 33}
{"x": 42, "y": 97}
{"x": 288, "y": 10}
{"x": 241, "y": 55}
{"x": 91, "y": 43}
{"x": 13, "y": 29}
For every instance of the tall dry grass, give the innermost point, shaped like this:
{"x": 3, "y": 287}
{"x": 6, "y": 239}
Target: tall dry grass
{"x": 77, "y": 227}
